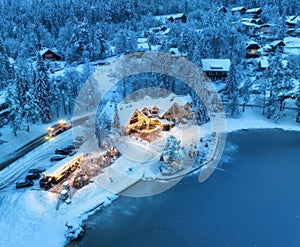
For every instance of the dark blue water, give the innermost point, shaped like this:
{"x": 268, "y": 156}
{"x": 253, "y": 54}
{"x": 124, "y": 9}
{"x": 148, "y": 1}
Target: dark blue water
{"x": 255, "y": 202}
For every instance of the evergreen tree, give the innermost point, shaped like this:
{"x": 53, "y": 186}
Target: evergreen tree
{"x": 231, "y": 91}
{"x": 42, "y": 91}
{"x": 172, "y": 151}
{"x": 14, "y": 116}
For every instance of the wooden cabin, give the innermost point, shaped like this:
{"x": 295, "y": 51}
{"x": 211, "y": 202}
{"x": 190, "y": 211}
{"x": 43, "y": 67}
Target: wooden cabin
{"x": 176, "y": 113}
{"x": 216, "y": 69}
{"x": 238, "y": 10}
{"x": 254, "y": 11}
{"x": 48, "y": 54}
{"x": 252, "y": 49}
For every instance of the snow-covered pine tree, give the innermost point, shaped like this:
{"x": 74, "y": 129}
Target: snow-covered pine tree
{"x": 245, "y": 91}
{"x": 14, "y": 116}
{"x": 279, "y": 84}
{"x": 42, "y": 93}
{"x": 231, "y": 91}
{"x": 6, "y": 70}
{"x": 172, "y": 151}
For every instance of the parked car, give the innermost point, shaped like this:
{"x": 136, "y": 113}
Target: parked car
{"x": 79, "y": 140}
{"x": 37, "y": 170}
{"x": 27, "y": 183}
{"x": 72, "y": 152}
{"x": 32, "y": 176}
{"x": 70, "y": 147}
{"x": 63, "y": 151}
{"x": 58, "y": 157}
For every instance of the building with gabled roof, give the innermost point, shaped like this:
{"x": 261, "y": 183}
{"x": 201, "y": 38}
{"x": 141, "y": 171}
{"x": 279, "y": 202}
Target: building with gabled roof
{"x": 252, "y": 48}
{"x": 216, "y": 69}
{"x": 179, "y": 17}
{"x": 238, "y": 10}
{"x": 50, "y": 54}
{"x": 254, "y": 11}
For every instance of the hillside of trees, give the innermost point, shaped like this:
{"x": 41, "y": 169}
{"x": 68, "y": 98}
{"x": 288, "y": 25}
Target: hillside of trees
{"x": 83, "y": 31}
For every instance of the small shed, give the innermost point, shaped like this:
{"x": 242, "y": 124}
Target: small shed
{"x": 50, "y": 54}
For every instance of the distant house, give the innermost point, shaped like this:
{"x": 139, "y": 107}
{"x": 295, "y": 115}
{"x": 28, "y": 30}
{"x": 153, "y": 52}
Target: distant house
{"x": 180, "y": 17}
{"x": 263, "y": 29}
{"x": 252, "y": 49}
{"x": 252, "y": 20}
{"x": 143, "y": 44}
{"x": 254, "y": 11}
{"x": 277, "y": 45}
{"x": 264, "y": 63}
{"x": 292, "y": 21}
{"x": 238, "y": 10}
{"x": 216, "y": 69}
{"x": 223, "y": 9}
{"x": 48, "y": 54}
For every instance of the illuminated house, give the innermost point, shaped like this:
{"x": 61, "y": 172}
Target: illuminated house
{"x": 252, "y": 49}
{"x": 48, "y": 54}
{"x": 151, "y": 119}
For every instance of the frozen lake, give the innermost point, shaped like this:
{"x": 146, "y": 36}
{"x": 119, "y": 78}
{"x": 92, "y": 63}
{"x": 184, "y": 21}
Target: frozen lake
{"x": 255, "y": 202}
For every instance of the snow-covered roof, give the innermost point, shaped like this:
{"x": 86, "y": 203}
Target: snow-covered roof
{"x": 2, "y": 96}
{"x": 167, "y": 17}
{"x": 143, "y": 46}
{"x": 59, "y": 164}
{"x": 254, "y": 10}
{"x": 252, "y": 43}
{"x": 126, "y": 109}
{"x": 143, "y": 43}
{"x": 241, "y": 8}
{"x": 293, "y": 20}
{"x": 215, "y": 64}
{"x": 142, "y": 40}
{"x": 44, "y": 50}
{"x": 276, "y": 43}
{"x": 249, "y": 24}
{"x": 264, "y": 62}
{"x": 292, "y": 42}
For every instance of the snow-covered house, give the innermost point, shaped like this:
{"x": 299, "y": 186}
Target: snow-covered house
{"x": 254, "y": 11}
{"x": 180, "y": 17}
{"x": 216, "y": 69}
{"x": 292, "y": 45}
{"x": 277, "y": 45}
{"x": 143, "y": 44}
{"x": 156, "y": 109}
{"x": 50, "y": 54}
{"x": 238, "y": 10}
{"x": 252, "y": 48}
{"x": 222, "y": 9}
{"x": 292, "y": 21}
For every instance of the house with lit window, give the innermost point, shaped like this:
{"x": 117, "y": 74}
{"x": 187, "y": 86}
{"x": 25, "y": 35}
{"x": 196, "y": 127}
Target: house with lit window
{"x": 252, "y": 48}
{"x": 155, "y": 114}
{"x": 50, "y": 54}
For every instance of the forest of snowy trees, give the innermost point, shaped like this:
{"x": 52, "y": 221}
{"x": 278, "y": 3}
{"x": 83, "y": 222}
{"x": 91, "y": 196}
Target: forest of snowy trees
{"x": 83, "y": 31}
